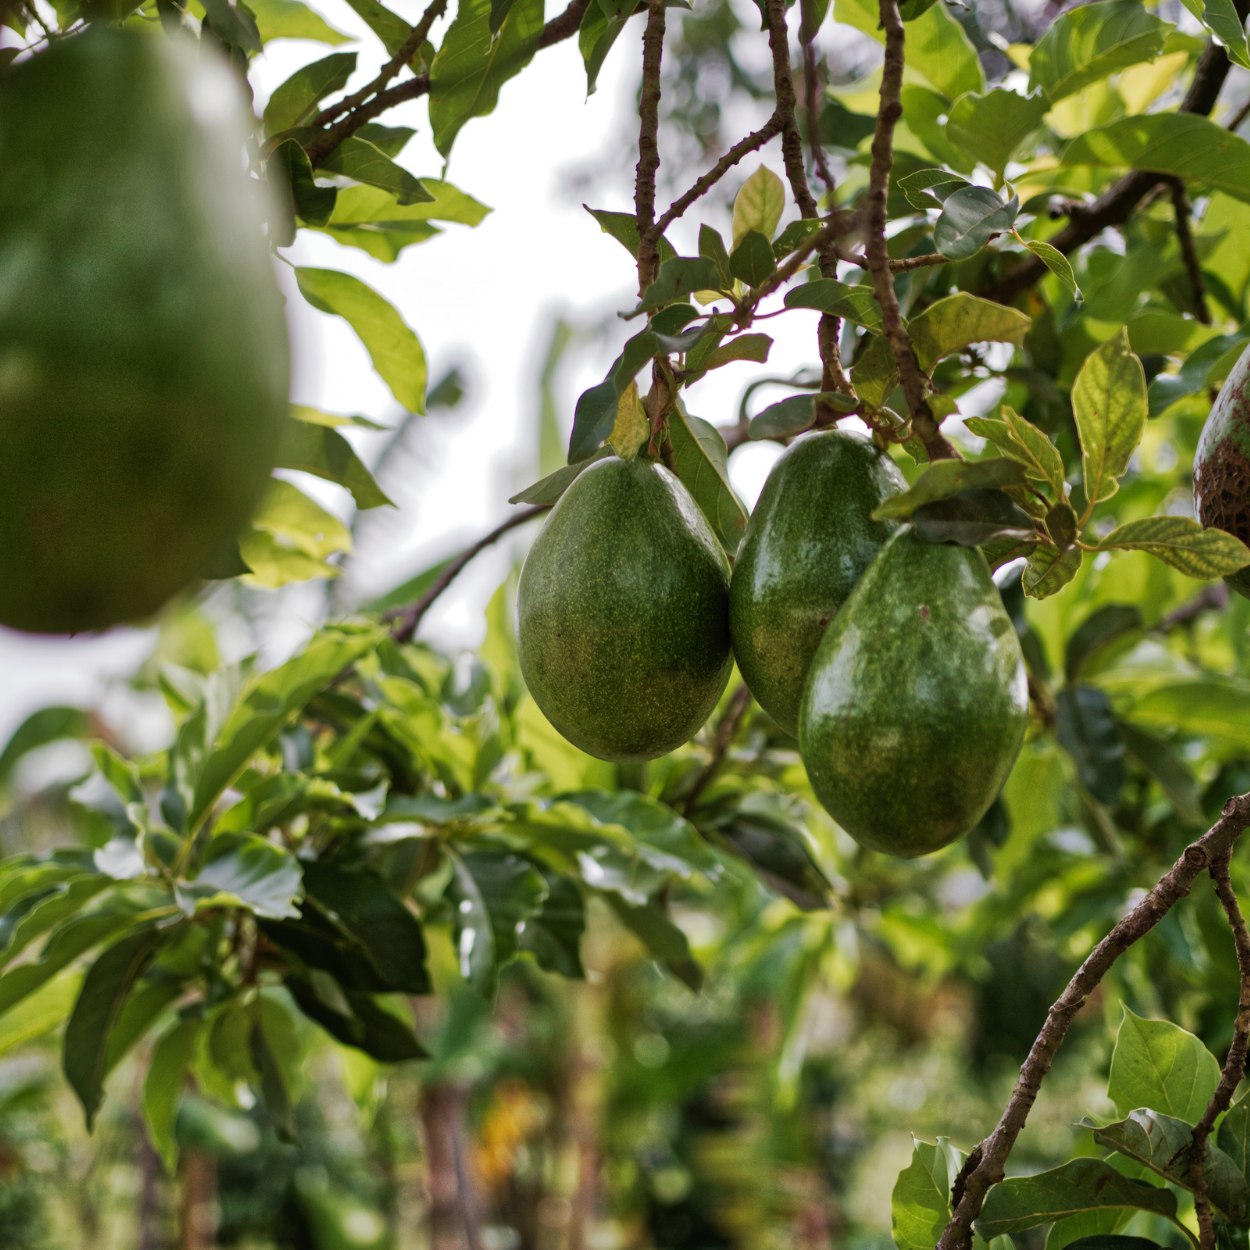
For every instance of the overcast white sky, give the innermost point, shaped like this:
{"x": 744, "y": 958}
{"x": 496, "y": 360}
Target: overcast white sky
{"x": 484, "y": 299}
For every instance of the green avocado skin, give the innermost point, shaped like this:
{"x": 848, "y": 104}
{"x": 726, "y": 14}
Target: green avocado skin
{"x": 917, "y": 701}
{"x": 143, "y": 349}
{"x": 622, "y": 613}
{"x": 809, "y": 539}
{"x": 1222, "y": 465}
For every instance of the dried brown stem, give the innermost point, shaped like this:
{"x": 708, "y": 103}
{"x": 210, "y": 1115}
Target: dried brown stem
{"x": 726, "y": 728}
{"x": 984, "y": 1166}
{"x": 1235, "y": 1061}
{"x": 890, "y": 110}
{"x": 1180, "y": 206}
{"x": 407, "y": 619}
{"x": 648, "y": 144}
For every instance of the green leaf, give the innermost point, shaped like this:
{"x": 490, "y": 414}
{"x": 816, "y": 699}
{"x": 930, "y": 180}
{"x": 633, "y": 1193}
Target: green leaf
{"x": 273, "y": 1051}
{"x": 1024, "y": 1202}
{"x": 472, "y": 64}
{"x": 395, "y": 350}
{"x": 1221, "y": 19}
{"x": 1183, "y": 543}
{"x": 1184, "y": 144}
{"x": 794, "y": 415}
{"x": 232, "y": 24}
{"x": 1058, "y": 264}
{"x": 1161, "y": 1143}
{"x": 289, "y": 524}
{"x": 104, "y": 991}
{"x": 1086, "y": 729}
{"x": 1167, "y": 768}
{"x": 63, "y": 902}
{"x": 854, "y": 303}
{"x": 665, "y": 840}
{"x": 549, "y": 489}
{"x": 623, "y": 227}
{"x": 758, "y": 206}
{"x": 938, "y": 48}
{"x": 752, "y": 260}
{"x": 946, "y": 478}
{"x": 325, "y": 453}
{"x": 1090, "y": 42}
{"x": 1093, "y": 1231}
{"x": 269, "y": 702}
{"x": 920, "y": 1202}
{"x": 41, "y": 1012}
{"x": 357, "y": 206}
{"x": 753, "y": 347}
{"x": 554, "y": 935}
{"x": 389, "y": 27}
{"x": 49, "y": 724}
{"x": 1023, "y": 441}
{"x": 492, "y": 892}
{"x": 1158, "y": 1065}
{"x": 970, "y": 217}
{"x": 389, "y": 140}
{"x": 292, "y": 19}
{"x": 677, "y": 279}
{"x": 242, "y": 870}
{"x": 297, "y": 100}
{"x": 305, "y": 198}
{"x": 598, "y": 33}
{"x": 930, "y": 188}
{"x": 362, "y": 161}
{"x": 1105, "y": 625}
{"x": 973, "y": 518}
{"x": 121, "y": 774}
{"x": 664, "y": 941}
{"x": 875, "y": 374}
{"x": 1205, "y": 706}
{"x": 1109, "y": 403}
{"x": 1234, "y": 1136}
{"x": 1049, "y": 570}
{"x": 949, "y": 325}
{"x": 701, "y": 461}
{"x": 990, "y": 127}
{"x": 163, "y": 1086}
{"x": 370, "y": 912}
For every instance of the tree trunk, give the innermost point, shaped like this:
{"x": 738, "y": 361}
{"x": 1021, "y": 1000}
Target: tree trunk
{"x": 453, "y": 1208}
{"x": 199, "y": 1201}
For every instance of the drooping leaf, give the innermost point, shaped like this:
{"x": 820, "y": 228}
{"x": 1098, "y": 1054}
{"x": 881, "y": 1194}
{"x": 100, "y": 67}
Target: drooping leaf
{"x": 595, "y": 38}
{"x": 1090, "y": 42}
{"x": 296, "y": 101}
{"x": 1102, "y": 627}
{"x": 664, "y": 941}
{"x": 623, "y": 227}
{"x": 364, "y": 162}
{"x": 163, "y": 1086}
{"x": 356, "y": 1019}
{"x": 292, "y": 19}
{"x": 792, "y": 416}
{"x": 854, "y": 303}
{"x": 990, "y": 127}
{"x": 389, "y": 27}
{"x": 48, "y": 724}
{"x": 970, "y": 217}
{"x": 752, "y": 260}
{"x": 324, "y": 452}
{"x": 549, "y": 489}
{"x": 1109, "y": 403}
{"x": 1086, "y": 729}
{"x": 702, "y": 463}
{"x": 1057, "y": 263}
{"x": 753, "y": 347}
{"x": 232, "y": 24}
{"x": 972, "y": 518}
{"x": 1158, "y": 1065}
{"x": 273, "y": 1053}
{"x": 290, "y": 173}
{"x": 1181, "y": 542}
{"x": 473, "y": 64}
{"x": 1049, "y": 570}
{"x": 956, "y": 322}
{"x": 1220, "y": 17}
{"x": 1023, "y": 1202}
{"x": 1234, "y": 1136}
{"x": 553, "y": 936}
{"x": 679, "y": 278}
{"x": 758, "y": 206}
{"x": 946, "y": 478}
{"x": 41, "y": 1012}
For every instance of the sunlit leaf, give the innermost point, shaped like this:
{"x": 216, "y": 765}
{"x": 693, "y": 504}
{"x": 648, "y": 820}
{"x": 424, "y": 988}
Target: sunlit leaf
{"x": 1109, "y": 403}
{"x": 1183, "y": 543}
{"x": 758, "y": 206}
{"x": 1158, "y": 1065}
{"x": 949, "y": 325}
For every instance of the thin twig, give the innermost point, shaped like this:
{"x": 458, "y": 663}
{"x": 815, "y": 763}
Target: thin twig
{"x": 1234, "y": 1063}
{"x": 906, "y": 264}
{"x": 726, "y": 728}
{"x": 888, "y": 113}
{"x": 1239, "y": 116}
{"x": 1180, "y": 207}
{"x": 648, "y": 144}
{"x": 984, "y": 1166}
{"x": 811, "y": 91}
{"x": 407, "y": 619}
{"x": 839, "y": 224}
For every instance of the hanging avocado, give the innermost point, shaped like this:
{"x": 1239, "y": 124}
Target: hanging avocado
{"x": 1222, "y": 465}
{"x": 916, "y": 703}
{"x": 622, "y": 613}
{"x": 809, "y": 539}
{"x": 143, "y": 351}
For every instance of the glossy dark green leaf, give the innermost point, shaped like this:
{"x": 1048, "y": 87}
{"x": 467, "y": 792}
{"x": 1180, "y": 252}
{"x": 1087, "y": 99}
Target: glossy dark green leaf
{"x": 971, "y": 518}
{"x": 553, "y": 935}
{"x": 1159, "y": 1065}
{"x": 1086, "y": 728}
{"x": 296, "y": 101}
{"x": 149, "y": 998}
{"x": 270, "y": 1043}
{"x": 473, "y": 63}
{"x": 308, "y": 201}
{"x": 1049, "y": 570}
{"x": 930, "y": 188}
{"x": 356, "y": 1020}
{"x": 678, "y": 278}
{"x": 778, "y": 854}
{"x": 792, "y": 416}
{"x": 104, "y": 992}
{"x": 794, "y": 236}
{"x": 324, "y": 452}
{"x": 753, "y": 347}
{"x": 593, "y": 419}
{"x": 163, "y": 1086}
{"x": 389, "y": 27}
{"x": 360, "y": 160}
{"x": 1167, "y": 767}
{"x": 623, "y": 227}
{"x": 47, "y": 911}
{"x": 549, "y": 489}
{"x": 752, "y": 261}
{"x": 232, "y": 24}
{"x": 854, "y": 303}
{"x": 242, "y": 870}
{"x": 970, "y": 217}
{"x": 958, "y": 321}
{"x": 712, "y": 246}
{"x": 947, "y": 478}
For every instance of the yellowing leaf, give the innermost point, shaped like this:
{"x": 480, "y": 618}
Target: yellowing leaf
{"x": 759, "y": 205}
{"x": 958, "y": 321}
{"x": 632, "y": 428}
{"x": 1183, "y": 543}
{"x": 1109, "y": 403}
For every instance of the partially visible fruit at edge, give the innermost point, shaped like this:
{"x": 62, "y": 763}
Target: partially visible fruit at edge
{"x": 1222, "y": 465}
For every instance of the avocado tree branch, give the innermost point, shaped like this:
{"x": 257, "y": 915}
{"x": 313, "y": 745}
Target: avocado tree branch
{"x": 407, "y": 619}
{"x": 888, "y": 113}
{"x": 1235, "y": 1061}
{"x": 648, "y": 145}
{"x": 907, "y": 263}
{"x": 1184, "y": 235}
{"x": 839, "y": 224}
{"x": 984, "y": 1166}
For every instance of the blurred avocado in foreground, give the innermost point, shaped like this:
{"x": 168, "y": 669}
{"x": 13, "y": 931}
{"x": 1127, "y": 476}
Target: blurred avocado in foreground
{"x": 623, "y": 613}
{"x": 143, "y": 350}
{"x": 809, "y": 539}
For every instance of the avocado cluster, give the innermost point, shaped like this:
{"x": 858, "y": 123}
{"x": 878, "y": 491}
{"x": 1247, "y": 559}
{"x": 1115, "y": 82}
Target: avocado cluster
{"x": 143, "y": 348}
{"x": 893, "y": 661}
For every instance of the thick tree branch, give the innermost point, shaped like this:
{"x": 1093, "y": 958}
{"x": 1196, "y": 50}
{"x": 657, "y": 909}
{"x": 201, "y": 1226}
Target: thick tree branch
{"x": 1235, "y": 1061}
{"x": 984, "y": 1166}
{"x": 1180, "y": 207}
{"x": 648, "y": 144}
{"x": 783, "y": 86}
{"x": 726, "y": 728}
{"x": 1115, "y": 206}
{"x": 564, "y": 24}
{"x": 323, "y": 145}
{"x": 888, "y": 114}
{"x": 407, "y": 619}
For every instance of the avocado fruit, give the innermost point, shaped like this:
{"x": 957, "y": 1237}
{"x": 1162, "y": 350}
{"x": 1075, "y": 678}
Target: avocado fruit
{"x": 809, "y": 540}
{"x": 143, "y": 349}
{"x": 623, "y": 613}
{"x": 916, "y": 703}
{"x": 1222, "y": 465}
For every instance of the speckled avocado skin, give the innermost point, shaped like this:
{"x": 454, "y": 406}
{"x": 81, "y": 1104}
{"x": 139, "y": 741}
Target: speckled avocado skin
{"x": 807, "y": 543}
{"x": 916, "y": 703}
{"x": 143, "y": 350}
{"x": 1222, "y": 465}
{"x": 623, "y": 613}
